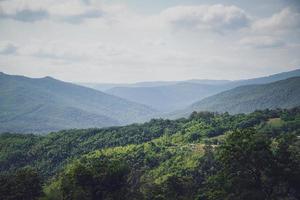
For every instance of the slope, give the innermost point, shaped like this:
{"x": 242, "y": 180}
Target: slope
{"x": 47, "y": 104}
{"x": 245, "y": 99}
{"x": 266, "y": 79}
{"x": 160, "y": 158}
{"x": 171, "y": 96}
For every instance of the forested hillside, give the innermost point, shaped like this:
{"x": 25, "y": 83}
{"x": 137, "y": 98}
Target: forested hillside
{"x": 46, "y": 104}
{"x": 246, "y": 99}
{"x": 149, "y": 100}
{"x": 206, "y": 156}
{"x": 171, "y": 96}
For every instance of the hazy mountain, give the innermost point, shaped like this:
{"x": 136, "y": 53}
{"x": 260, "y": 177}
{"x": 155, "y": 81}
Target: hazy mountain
{"x": 266, "y": 79}
{"x": 162, "y": 95}
{"x": 208, "y": 82}
{"x": 166, "y": 98}
{"x": 170, "y": 96}
{"x": 99, "y": 86}
{"x": 47, "y": 104}
{"x": 107, "y": 86}
{"x": 245, "y": 99}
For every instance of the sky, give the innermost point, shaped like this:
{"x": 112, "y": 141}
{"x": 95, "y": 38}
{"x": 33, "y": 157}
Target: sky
{"x": 125, "y": 41}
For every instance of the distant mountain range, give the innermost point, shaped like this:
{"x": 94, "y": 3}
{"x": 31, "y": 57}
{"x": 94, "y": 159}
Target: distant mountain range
{"x": 246, "y": 99}
{"x": 167, "y": 98}
{"x": 46, "y": 104}
{"x": 41, "y": 105}
{"x": 176, "y": 95}
{"x": 107, "y": 86}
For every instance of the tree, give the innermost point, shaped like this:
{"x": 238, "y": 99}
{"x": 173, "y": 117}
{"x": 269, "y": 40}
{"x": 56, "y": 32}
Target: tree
{"x": 255, "y": 166}
{"x": 24, "y": 184}
{"x": 95, "y": 178}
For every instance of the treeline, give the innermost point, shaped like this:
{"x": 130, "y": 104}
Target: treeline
{"x": 207, "y": 156}
{"x": 247, "y": 165}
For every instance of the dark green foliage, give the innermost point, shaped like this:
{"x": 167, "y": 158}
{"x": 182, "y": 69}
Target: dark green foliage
{"x": 207, "y": 156}
{"x": 49, "y": 153}
{"x": 98, "y": 178}
{"x": 24, "y": 184}
{"x": 256, "y": 166}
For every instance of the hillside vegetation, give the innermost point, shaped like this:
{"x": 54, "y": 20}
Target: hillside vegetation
{"x": 206, "y": 156}
{"x": 46, "y": 104}
{"x": 246, "y": 99}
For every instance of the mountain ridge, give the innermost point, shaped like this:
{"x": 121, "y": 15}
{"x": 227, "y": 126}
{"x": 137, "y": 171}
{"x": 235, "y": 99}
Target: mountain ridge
{"x": 172, "y": 97}
{"x": 23, "y": 99}
{"x": 248, "y": 98}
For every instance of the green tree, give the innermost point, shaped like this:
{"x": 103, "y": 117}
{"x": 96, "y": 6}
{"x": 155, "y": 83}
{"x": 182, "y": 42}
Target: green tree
{"x": 24, "y": 184}
{"x": 95, "y": 178}
{"x": 255, "y": 166}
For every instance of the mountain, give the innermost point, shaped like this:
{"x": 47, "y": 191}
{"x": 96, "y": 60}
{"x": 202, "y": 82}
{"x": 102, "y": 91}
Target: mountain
{"x": 107, "y": 86}
{"x": 167, "y": 97}
{"x": 47, "y": 104}
{"x": 171, "y": 96}
{"x": 266, "y": 79}
{"x": 245, "y": 99}
{"x": 99, "y": 86}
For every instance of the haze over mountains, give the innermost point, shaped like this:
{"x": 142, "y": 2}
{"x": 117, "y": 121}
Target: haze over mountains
{"x": 248, "y": 98}
{"x": 176, "y": 95}
{"x": 106, "y": 86}
{"x": 43, "y": 105}
{"x": 47, "y": 104}
{"x": 168, "y": 97}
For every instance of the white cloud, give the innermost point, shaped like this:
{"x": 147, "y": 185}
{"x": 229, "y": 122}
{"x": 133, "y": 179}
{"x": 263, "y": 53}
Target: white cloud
{"x": 286, "y": 20}
{"x": 73, "y": 11}
{"x": 75, "y": 52}
{"x": 262, "y": 42}
{"x": 97, "y": 41}
{"x": 216, "y": 17}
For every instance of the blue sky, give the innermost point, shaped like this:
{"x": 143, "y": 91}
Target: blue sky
{"x": 139, "y": 40}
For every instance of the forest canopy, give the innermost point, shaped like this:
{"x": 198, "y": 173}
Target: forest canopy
{"x": 206, "y": 156}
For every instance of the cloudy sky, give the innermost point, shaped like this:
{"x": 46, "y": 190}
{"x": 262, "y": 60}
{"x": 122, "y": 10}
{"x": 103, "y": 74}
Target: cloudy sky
{"x": 138, "y": 40}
